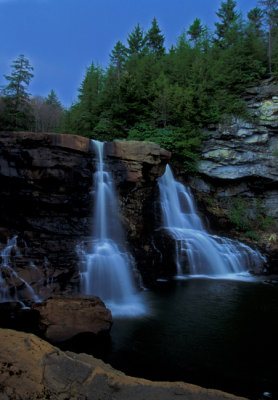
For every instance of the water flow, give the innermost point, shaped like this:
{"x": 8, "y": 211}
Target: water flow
{"x": 106, "y": 266}
{"x": 198, "y": 252}
{"x": 9, "y": 278}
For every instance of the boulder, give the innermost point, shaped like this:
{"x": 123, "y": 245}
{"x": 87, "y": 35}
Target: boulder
{"x": 63, "y": 317}
{"x": 33, "y": 369}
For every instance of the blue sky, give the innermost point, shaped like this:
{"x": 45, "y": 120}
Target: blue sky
{"x": 62, "y": 37}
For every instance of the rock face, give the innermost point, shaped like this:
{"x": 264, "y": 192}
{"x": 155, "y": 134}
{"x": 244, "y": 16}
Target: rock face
{"x": 238, "y": 179}
{"x": 45, "y": 200}
{"x": 46, "y": 180}
{"x": 33, "y": 369}
{"x": 63, "y": 317}
{"x": 135, "y": 167}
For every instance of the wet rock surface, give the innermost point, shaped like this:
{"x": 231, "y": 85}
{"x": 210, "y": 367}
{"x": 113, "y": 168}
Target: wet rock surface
{"x": 33, "y": 369}
{"x": 63, "y": 317}
{"x": 238, "y": 174}
{"x": 46, "y": 189}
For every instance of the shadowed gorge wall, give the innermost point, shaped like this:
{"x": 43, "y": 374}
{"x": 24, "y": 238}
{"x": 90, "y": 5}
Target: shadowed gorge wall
{"x": 45, "y": 184}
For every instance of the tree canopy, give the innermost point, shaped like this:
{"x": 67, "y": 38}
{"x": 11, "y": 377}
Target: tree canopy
{"x": 169, "y": 97}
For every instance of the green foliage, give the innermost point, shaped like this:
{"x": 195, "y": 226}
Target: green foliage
{"x": 136, "y": 41}
{"x": 256, "y": 17}
{"x": 238, "y": 215}
{"x": 52, "y": 100}
{"x": 228, "y": 17}
{"x": 84, "y": 115}
{"x": 183, "y": 143}
{"x": 270, "y": 12}
{"x": 195, "y": 30}
{"x": 118, "y": 58}
{"x": 252, "y": 235}
{"x": 155, "y": 39}
{"x": 17, "y": 111}
{"x": 249, "y": 216}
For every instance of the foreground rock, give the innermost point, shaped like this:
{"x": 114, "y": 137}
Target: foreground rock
{"x": 63, "y": 317}
{"x": 33, "y": 369}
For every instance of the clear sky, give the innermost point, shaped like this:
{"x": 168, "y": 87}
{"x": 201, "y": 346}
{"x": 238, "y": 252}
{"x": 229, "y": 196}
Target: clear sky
{"x": 62, "y": 37}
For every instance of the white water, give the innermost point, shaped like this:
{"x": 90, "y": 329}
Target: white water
{"x": 197, "y": 252}
{"x": 8, "y": 274}
{"x": 107, "y": 265}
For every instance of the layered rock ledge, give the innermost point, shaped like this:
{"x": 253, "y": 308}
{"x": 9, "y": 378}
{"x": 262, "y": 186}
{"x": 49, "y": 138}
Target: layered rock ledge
{"x": 238, "y": 172}
{"x": 33, "y": 369}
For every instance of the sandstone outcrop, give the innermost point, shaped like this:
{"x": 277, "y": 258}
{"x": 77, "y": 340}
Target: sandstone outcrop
{"x": 63, "y": 317}
{"x": 239, "y": 172}
{"x": 46, "y": 182}
{"x": 33, "y": 369}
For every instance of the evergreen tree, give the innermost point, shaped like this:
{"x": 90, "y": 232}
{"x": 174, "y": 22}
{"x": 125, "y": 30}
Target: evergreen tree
{"x": 228, "y": 17}
{"x": 136, "y": 41}
{"x": 195, "y": 30}
{"x": 256, "y": 16}
{"x": 155, "y": 39}
{"x": 270, "y": 8}
{"x": 118, "y": 58}
{"x": 16, "y": 97}
{"x": 52, "y": 99}
{"x": 84, "y": 115}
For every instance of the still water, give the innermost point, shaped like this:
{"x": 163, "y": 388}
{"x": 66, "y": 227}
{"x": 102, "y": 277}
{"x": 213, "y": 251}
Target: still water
{"x": 215, "y": 333}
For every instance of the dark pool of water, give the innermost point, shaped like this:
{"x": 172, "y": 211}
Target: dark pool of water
{"x": 219, "y": 334}
{"x": 214, "y": 333}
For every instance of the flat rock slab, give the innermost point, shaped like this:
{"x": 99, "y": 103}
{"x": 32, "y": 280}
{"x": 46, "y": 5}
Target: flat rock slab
{"x": 33, "y": 369}
{"x": 63, "y": 317}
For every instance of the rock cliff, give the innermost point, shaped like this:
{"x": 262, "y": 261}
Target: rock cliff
{"x": 238, "y": 173}
{"x": 46, "y": 181}
{"x": 33, "y": 369}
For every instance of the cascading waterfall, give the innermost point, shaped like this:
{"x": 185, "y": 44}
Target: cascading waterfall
{"x": 105, "y": 267}
{"x": 8, "y": 274}
{"x": 198, "y": 252}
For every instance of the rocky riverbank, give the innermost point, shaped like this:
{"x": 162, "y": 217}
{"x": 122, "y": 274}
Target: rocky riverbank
{"x": 33, "y": 369}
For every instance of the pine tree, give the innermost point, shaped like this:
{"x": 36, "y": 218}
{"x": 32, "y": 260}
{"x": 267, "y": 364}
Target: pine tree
{"x": 195, "y": 30}
{"x": 83, "y": 116}
{"x": 16, "y": 97}
{"x": 52, "y": 99}
{"x": 228, "y": 17}
{"x": 256, "y": 16}
{"x": 136, "y": 41}
{"x": 155, "y": 39}
{"x": 270, "y": 8}
{"x": 118, "y": 57}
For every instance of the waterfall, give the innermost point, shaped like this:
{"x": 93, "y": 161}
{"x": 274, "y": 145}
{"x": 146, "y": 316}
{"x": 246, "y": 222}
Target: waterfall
{"x": 106, "y": 264}
{"x": 198, "y": 252}
{"x": 9, "y": 278}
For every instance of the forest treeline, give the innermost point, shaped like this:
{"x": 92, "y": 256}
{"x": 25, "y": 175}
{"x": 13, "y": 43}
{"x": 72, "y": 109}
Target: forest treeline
{"x": 150, "y": 93}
